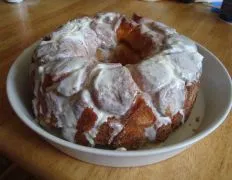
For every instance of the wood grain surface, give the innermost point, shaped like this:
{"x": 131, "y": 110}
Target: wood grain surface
{"x": 22, "y": 24}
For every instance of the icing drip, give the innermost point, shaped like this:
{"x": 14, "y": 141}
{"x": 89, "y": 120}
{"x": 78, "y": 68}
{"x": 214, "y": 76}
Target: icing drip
{"x": 57, "y": 69}
{"x": 171, "y": 98}
{"x": 102, "y": 116}
{"x": 150, "y": 133}
{"x": 160, "y": 119}
{"x": 117, "y": 127}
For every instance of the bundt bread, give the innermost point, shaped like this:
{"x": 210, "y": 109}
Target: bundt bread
{"x": 110, "y": 81}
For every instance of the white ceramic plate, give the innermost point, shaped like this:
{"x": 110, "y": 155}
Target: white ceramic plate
{"x": 211, "y": 108}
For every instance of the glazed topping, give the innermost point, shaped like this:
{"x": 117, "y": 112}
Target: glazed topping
{"x": 117, "y": 128}
{"x": 102, "y": 116}
{"x": 114, "y": 90}
{"x": 150, "y": 133}
{"x": 186, "y": 65}
{"x": 171, "y": 98}
{"x": 153, "y": 74}
{"x": 105, "y": 26}
{"x": 141, "y": 57}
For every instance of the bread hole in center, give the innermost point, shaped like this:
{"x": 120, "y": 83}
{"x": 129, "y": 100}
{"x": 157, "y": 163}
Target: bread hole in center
{"x": 133, "y": 45}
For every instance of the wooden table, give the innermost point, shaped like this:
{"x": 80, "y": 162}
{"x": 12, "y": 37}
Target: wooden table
{"x": 22, "y": 24}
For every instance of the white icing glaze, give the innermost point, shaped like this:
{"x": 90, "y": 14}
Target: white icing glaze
{"x": 117, "y": 128}
{"x": 71, "y": 28}
{"x": 69, "y": 134}
{"x": 75, "y": 38}
{"x": 102, "y": 116}
{"x": 183, "y": 115}
{"x": 160, "y": 119}
{"x": 115, "y": 90}
{"x": 150, "y": 133}
{"x": 73, "y": 83}
{"x": 153, "y": 74}
{"x": 90, "y": 138}
{"x": 68, "y": 114}
{"x": 55, "y": 104}
{"x": 61, "y": 108}
{"x": 157, "y": 75}
{"x": 171, "y": 98}
{"x": 109, "y": 89}
{"x": 187, "y": 65}
{"x": 60, "y": 68}
{"x": 76, "y": 80}
{"x": 101, "y": 66}
{"x": 178, "y": 44}
{"x": 105, "y": 26}
{"x": 156, "y": 37}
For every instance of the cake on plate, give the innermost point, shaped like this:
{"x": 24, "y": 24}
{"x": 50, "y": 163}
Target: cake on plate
{"x": 114, "y": 82}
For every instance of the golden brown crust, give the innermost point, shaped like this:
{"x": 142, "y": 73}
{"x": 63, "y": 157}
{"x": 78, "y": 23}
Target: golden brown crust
{"x": 163, "y": 132}
{"x": 177, "y": 120}
{"x": 105, "y": 132}
{"x": 191, "y": 95}
{"x": 125, "y": 54}
{"x": 133, "y": 45}
{"x": 132, "y": 37}
{"x": 84, "y": 124}
{"x": 132, "y": 136}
